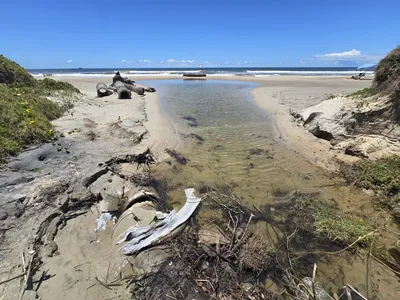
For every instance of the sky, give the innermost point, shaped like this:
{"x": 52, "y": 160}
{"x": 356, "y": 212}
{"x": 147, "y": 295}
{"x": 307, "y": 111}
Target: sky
{"x": 217, "y": 33}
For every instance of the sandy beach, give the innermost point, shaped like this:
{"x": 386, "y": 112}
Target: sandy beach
{"x": 97, "y": 129}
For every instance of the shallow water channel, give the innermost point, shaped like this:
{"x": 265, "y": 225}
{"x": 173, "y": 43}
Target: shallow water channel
{"x": 242, "y": 149}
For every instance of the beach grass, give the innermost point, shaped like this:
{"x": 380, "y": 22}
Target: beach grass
{"x": 25, "y": 112}
{"x": 330, "y": 223}
{"x": 24, "y": 119}
{"x": 382, "y": 176}
{"x": 366, "y": 92}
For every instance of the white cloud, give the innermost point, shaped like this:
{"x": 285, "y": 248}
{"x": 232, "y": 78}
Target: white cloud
{"x": 303, "y": 62}
{"x": 69, "y": 61}
{"x": 123, "y": 61}
{"x": 190, "y": 61}
{"x": 353, "y": 56}
{"x": 161, "y": 61}
{"x": 352, "y": 53}
{"x": 183, "y": 61}
{"x": 172, "y": 60}
{"x": 145, "y": 61}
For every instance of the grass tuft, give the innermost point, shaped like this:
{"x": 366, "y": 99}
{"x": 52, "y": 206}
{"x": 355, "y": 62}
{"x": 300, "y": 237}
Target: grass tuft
{"x": 381, "y": 176}
{"x": 330, "y": 223}
{"x": 361, "y": 93}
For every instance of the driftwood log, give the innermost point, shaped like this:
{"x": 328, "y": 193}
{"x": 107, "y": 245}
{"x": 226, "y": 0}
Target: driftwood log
{"x": 122, "y": 91}
{"x": 102, "y": 90}
{"x": 135, "y": 89}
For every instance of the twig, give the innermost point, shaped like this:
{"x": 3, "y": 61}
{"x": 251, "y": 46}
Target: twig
{"x": 102, "y": 283}
{"x": 206, "y": 280}
{"x": 23, "y": 264}
{"x": 360, "y": 238}
{"x": 27, "y": 276}
{"x": 368, "y": 264}
{"x": 12, "y": 278}
{"x": 381, "y": 262}
{"x": 287, "y": 247}
{"x": 355, "y": 291}
{"x": 313, "y": 281}
{"x": 243, "y": 236}
{"x": 108, "y": 271}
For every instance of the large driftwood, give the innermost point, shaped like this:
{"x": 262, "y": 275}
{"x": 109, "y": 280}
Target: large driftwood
{"x": 122, "y": 91}
{"x": 135, "y": 89}
{"x": 102, "y": 90}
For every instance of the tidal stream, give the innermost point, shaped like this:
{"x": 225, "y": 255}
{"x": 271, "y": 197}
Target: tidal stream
{"x": 242, "y": 149}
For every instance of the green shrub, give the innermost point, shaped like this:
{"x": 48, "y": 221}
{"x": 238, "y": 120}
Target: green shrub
{"x": 24, "y": 119}
{"x": 11, "y": 72}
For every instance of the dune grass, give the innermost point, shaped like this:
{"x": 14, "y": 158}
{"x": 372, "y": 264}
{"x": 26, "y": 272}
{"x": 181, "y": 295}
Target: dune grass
{"x": 25, "y": 113}
{"x": 13, "y": 73}
{"x": 24, "y": 119}
{"x": 381, "y": 176}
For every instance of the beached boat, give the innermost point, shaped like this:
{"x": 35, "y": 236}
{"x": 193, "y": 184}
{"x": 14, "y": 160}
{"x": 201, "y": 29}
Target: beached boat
{"x": 195, "y": 75}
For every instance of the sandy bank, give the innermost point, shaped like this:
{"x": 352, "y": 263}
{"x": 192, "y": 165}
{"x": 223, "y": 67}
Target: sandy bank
{"x": 36, "y": 189}
{"x": 161, "y": 133}
{"x": 278, "y": 96}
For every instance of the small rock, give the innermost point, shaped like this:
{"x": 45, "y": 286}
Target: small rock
{"x": 18, "y": 212}
{"x": 3, "y": 215}
{"x": 50, "y": 249}
{"x": 354, "y": 152}
{"x": 247, "y": 287}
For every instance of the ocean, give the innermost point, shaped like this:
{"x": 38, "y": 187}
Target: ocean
{"x": 253, "y": 71}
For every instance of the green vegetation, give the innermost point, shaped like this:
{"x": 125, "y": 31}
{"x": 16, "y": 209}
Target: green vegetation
{"x": 387, "y": 73}
{"x": 11, "y": 72}
{"x": 330, "y": 223}
{"x": 25, "y": 113}
{"x": 50, "y": 86}
{"x": 361, "y": 93}
{"x": 381, "y": 176}
{"x": 332, "y": 96}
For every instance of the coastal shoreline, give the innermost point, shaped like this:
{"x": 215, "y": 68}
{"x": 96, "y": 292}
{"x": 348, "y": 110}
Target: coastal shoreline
{"x": 277, "y": 96}
{"x": 98, "y": 130}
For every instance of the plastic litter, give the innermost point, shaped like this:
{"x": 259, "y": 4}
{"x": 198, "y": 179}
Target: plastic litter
{"x": 171, "y": 222}
{"x": 102, "y": 221}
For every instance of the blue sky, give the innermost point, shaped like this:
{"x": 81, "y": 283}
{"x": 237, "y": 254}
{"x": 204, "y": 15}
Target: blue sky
{"x": 175, "y": 33}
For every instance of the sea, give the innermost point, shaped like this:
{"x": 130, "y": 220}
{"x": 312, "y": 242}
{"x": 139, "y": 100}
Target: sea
{"x": 253, "y": 71}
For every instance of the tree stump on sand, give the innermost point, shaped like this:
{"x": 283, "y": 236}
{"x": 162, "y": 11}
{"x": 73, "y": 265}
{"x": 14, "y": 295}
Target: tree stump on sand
{"x": 122, "y": 91}
{"x": 102, "y": 90}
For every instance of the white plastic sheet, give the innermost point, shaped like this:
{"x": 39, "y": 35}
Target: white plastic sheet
{"x": 138, "y": 243}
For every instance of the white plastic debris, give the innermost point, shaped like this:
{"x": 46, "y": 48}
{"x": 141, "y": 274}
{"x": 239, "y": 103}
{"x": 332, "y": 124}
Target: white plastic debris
{"x": 160, "y": 215}
{"x": 171, "y": 222}
{"x": 139, "y": 231}
{"x": 102, "y": 221}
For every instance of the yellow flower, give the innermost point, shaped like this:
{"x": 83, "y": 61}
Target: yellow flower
{"x": 32, "y": 122}
{"x": 28, "y": 110}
